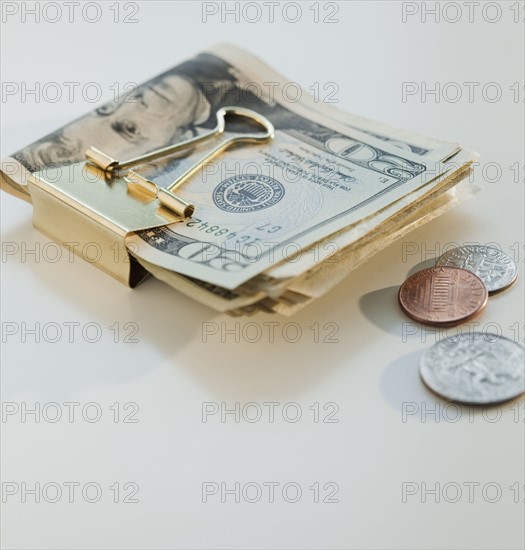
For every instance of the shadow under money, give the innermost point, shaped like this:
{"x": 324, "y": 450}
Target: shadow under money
{"x": 281, "y": 370}
{"x": 400, "y": 383}
{"x": 171, "y": 324}
{"x": 403, "y": 389}
{"x": 381, "y": 307}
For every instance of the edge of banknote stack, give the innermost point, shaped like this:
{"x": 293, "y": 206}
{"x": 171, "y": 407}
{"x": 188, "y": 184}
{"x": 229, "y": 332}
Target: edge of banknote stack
{"x": 372, "y": 184}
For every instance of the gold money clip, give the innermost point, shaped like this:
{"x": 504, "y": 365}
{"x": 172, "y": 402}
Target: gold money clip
{"x": 95, "y": 204}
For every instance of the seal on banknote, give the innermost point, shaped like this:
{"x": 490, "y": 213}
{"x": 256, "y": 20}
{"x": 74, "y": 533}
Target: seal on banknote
{"x": 247, "y": 193}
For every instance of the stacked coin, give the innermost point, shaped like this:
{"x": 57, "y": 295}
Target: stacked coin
{"x": 457, "y": 288}
{"x": 473, "y": 368}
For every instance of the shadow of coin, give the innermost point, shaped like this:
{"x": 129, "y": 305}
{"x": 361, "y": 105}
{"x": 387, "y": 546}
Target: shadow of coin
{"x": 402, "y": 387}
{"x": 381, "y": 307}
{"x": 504, "y": 289}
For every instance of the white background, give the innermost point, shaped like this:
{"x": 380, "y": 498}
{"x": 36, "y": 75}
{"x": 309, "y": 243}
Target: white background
{"x": 170, "y": 372}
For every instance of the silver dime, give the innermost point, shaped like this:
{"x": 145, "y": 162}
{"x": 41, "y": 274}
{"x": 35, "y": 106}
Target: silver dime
{"x": 475, "y": 368}
{"x": 495, "y": 268}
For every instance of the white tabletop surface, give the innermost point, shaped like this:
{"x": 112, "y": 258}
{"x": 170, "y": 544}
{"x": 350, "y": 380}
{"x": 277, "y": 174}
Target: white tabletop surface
{"x": 374, "y": 468}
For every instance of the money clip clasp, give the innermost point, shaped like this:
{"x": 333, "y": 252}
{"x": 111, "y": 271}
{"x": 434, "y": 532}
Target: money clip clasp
{"x": 166, "y": 196}
{"x": 93, "y": 202}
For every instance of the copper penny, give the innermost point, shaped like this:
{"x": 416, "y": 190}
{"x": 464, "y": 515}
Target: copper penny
{"x": 442, "y": 295}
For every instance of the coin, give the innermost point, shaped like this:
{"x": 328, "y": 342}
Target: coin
{"x": 476, "y": 368}
{"x": 495, "y": 268}
{"x": 442, "y": 295}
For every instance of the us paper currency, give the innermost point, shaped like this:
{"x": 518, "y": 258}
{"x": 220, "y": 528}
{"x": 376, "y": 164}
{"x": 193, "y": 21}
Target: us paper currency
{"x": 317, "y": 177}
{"x": 266, "y": 215}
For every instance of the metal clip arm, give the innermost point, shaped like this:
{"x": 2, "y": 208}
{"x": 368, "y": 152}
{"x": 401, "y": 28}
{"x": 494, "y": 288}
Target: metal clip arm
{"x": 165, "y": 195}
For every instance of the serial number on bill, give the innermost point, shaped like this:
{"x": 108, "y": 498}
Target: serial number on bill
{"x": 227, "y": 234}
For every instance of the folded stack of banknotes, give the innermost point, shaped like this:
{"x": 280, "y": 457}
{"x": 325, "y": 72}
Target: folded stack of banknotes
{"x": 277, "y": 224}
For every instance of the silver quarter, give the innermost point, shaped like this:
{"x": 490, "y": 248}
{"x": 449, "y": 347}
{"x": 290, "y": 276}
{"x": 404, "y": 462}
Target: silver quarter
{"x": 495, "y": 268}
{"x": 475, "y": 368}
